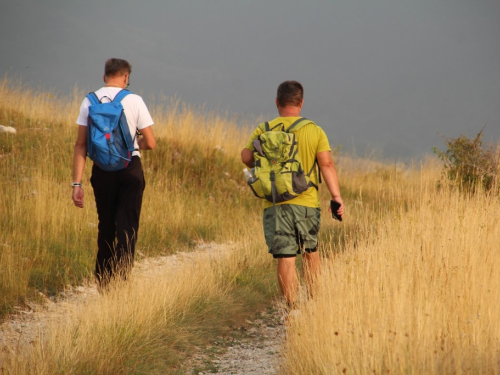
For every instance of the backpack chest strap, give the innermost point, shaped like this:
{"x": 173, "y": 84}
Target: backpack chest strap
{"x": 94, "y": 100}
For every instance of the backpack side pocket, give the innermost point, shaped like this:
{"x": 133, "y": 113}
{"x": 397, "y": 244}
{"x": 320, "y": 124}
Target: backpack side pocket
{"x": 256, "y": 187}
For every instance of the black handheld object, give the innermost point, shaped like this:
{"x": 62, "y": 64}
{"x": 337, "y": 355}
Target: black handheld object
{"x": 334, "y": 206}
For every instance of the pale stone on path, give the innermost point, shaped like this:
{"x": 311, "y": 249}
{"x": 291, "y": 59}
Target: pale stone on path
{"x": 7, "y": 129}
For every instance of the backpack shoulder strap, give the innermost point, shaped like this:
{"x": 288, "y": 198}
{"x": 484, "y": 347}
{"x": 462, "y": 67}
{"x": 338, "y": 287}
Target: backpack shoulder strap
{"x": 312, "y": 169}
{"x": 298, "y": 124}
{"x": 264, "y": 126}
{"x": 119, "y": 97}
{"x": 92, "y": 97}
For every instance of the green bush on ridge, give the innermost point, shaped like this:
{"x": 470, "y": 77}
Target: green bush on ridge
{"x": 470, "y": 165}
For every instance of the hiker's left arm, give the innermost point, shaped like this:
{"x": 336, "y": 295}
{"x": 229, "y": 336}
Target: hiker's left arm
{"x": 148, "y": 140}
{"x": 79, "y": 156}
{"x": 247, "y": 157}
{"x": 247, "y": 153}
{"x": 330, "y": 176}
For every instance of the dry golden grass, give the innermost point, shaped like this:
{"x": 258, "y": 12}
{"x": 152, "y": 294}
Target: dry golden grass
{"x": 39, "y": 229}
{"x": 414, "y": 292}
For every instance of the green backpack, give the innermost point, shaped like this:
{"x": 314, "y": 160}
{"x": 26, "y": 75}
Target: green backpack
{"x": 279, "y": 175}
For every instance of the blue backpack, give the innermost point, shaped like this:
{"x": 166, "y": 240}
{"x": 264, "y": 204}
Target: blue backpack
{"x": 109, "y": 143}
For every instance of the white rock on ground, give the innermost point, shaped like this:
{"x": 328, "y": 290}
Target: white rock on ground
{"x": 7, "y": 129}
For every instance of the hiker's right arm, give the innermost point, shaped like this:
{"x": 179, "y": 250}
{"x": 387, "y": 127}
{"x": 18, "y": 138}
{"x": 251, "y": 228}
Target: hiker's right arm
{"x": 79, "y": 155}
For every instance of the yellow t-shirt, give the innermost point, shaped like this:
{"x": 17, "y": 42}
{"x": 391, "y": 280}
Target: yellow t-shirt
{"x": 311, "y": 139}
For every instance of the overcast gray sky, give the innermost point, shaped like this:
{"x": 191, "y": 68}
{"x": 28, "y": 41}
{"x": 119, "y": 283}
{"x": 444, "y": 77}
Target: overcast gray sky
{"x": 386, "y": 74}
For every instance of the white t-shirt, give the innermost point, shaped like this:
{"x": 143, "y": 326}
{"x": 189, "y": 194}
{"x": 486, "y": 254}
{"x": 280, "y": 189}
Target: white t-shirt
{"x": 135, "y": 109}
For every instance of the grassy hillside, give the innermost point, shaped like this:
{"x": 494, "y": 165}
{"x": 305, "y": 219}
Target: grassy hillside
{"x": 414, "y": 290}
{"x": 407, "y": 286}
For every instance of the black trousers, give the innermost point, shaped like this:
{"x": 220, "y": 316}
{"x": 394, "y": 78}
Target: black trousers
{"x": 118, "y": 197}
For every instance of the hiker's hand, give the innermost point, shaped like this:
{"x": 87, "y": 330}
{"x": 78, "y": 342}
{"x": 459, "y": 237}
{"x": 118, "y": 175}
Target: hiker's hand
{"x": 148, "y": 140}
{"x": 78, "y": 196}
{"x": 340, "y": 210}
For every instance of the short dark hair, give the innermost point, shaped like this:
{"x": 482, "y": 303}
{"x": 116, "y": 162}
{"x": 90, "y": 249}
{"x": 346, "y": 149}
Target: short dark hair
{"x": 114, "y": 67}
{"x": 290, "y": 93}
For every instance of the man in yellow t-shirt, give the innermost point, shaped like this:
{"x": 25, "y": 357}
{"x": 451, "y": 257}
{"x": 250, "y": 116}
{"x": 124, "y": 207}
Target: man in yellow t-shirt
{"x": 295, "y": 223}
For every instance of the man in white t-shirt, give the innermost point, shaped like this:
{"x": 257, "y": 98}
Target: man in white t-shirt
{"x": 118, "y": 195}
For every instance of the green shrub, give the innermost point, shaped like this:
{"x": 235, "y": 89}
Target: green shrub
{"x": 469, "y": 165}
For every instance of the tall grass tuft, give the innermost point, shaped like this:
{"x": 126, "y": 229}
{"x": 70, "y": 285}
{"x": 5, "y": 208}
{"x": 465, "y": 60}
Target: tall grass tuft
{"x": 413, "y": 291}
{"x": 152, "y": 323}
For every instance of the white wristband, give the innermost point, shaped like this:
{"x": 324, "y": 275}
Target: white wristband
{"x": 73, "y": 184}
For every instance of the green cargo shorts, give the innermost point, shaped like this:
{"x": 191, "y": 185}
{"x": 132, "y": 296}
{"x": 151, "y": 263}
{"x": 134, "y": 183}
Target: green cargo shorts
{"x": 292, "y": 228}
